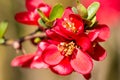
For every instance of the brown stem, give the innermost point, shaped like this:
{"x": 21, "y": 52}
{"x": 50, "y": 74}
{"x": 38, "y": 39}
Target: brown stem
{"x": 17, "y": 44}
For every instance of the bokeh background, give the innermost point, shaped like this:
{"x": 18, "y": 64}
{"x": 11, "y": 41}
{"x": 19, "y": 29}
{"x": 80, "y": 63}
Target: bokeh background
{"x": 108, "y": 69}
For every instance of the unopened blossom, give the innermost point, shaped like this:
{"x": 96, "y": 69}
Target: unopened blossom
{"x": 31, "y": 16}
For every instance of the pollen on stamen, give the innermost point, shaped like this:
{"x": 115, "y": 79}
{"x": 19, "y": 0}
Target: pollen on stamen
{"x": 66, "y": 48}
{"x": 69, "y": 25}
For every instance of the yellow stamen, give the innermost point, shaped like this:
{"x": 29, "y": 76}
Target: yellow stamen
{"x": 66, "y": 48}
{"x": 69, "y": 25}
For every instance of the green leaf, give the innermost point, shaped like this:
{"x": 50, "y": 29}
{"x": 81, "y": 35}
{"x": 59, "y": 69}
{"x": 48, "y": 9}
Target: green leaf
{"x": 42, "y": 15}
{"x": 93, "y": 21}
{"x": 74, "y": 10}
{"x": 3, "y": 28}
{"x": 92, "y": 9}
{"x": 82, "y": 11}
{"x": 42, "y": 23}
{"x": 2, "y": 40}
{"x": 57, "y": 12}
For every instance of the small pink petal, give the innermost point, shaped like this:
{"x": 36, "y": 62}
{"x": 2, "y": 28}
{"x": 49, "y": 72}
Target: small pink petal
{"x": 23, "y": 61}
{"x": 27, "y": 18}
{"x": 87, "y": 76}
{"x": 51, "y": 55}
{"x": 82, "y": 63}
{"x": 33, "y": 4}
{"x": 67, "y": 12}
{"x": 99, "y": 53}
{"x": 46, "y": 9}
{"x": 55, "y": 36}
{"x": 63, "y": 68}
{"x": 104, "y": 32}
{"x": 41, "y": 46}
{"x": 84, "y": 42}
{"x": 93, "y": 35}
{"x": 38, "y": 63}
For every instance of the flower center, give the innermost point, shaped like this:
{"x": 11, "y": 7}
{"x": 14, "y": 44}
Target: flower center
{"x": 66, "y": 48}
{"x": 69, "y": 25}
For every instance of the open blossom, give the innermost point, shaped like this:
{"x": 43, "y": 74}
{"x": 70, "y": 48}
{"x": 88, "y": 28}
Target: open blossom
{"x": 31, "y": 16}
{"x": 68, "y": 47}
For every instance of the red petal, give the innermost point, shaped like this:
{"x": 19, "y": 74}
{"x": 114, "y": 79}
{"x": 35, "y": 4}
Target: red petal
{"x": 99, "y": 53}
{"x": 38, "y": 63}
{"x": 63, "y": 68}
{"x": 67, "y": 12}
{"x": 99, "y": 33}
{"x": 27, "y": 18}
{"x": 23, "y": 61}
{"x": 93, "y": 35}
{"x": 31, "y": 5}
{"x": 84, "y": 42}
{"x": 41, "y": 46}
{"x": 78, "y": 23}
{"x": 45, "y": 9}
{"x": 53, "y": 35}
{"x": 82, "y": 63}
{"x": 51, "y": 55}
{"x": 87, "y": 76}
{"x": 104, "y": 32}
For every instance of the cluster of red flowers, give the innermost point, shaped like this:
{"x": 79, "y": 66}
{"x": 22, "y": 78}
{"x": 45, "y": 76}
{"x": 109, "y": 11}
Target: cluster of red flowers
{"x": 69, "y": 45}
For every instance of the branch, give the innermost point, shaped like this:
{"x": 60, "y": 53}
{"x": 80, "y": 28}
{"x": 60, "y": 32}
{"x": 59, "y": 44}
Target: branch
{"x": 17, "y": 44}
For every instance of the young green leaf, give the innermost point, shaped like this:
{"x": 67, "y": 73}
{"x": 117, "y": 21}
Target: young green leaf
{"x": 42, "y": 15}
{"x": 42, "y": 23}
{"x": 3, "y": 28}
{"x": 82, "y": 11}
{"x": 57, "y": 12}
{"x": 74, "y": 10}
{"x": 93, "y": 21}
{"x": 92, "y": 9}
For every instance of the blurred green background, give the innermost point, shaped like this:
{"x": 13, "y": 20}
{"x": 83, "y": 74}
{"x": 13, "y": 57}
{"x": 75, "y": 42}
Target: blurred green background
{"x": 108, "y": 69}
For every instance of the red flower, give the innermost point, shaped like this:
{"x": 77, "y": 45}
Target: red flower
{"x": 69, "y": 26}
{"x": 32, "y": 60}
{"x": 69, "y": 47}
{"x": 31, "y": 16}
{"x": 65, "y": 57}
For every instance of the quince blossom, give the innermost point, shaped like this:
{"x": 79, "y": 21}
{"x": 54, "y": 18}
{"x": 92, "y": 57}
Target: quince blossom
{"x": 68, "y": 46}
{"x": 31, "y": 16}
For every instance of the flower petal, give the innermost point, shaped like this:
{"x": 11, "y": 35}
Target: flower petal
{"x": 27, "y": 18}
{"x": 41, "y": 46}
{"x": 99, "y": 33}
{"x": 87, "y": 76}
{"x": 82, "y": 63}
{"x": 104, "y": 32}
{"x": 31, "y": 5}
{"x": 51, "y": 55}
{"x": 38, "y": 63}
{"x": 55, "y": 36}
{"x": 78, "y": 23}
{"x": 99, "y": 53}
{"x": 93, "y": 35}
{"x": 23, "y": 61}
{"x": 45, "y": 9}
{"x": 84, "y": 42}
{"x": 67, "y": 12}
{"x": 63, "y": 68}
